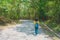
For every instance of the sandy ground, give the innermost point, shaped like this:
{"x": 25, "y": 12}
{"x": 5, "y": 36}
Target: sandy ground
{"x": 2, "y": 27}
{"x": 24, "y": 31}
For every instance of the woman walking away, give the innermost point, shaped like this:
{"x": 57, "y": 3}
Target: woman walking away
{"x": 36, "y": 25}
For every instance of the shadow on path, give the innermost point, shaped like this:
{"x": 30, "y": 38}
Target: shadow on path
{"x": 27, "y": 28}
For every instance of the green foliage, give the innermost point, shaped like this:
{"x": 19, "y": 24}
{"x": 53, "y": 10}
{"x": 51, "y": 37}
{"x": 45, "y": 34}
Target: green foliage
{"x": 51, "y": 9}
{"x": 30, "y": 9}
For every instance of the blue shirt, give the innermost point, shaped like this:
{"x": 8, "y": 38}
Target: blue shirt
{"x": 36, "y": 25}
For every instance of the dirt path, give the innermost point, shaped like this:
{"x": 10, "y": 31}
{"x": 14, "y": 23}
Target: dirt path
{"x": 24, "y": 31}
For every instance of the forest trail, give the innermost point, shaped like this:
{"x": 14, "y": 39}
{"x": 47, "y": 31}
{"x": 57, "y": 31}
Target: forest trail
{"x": 24, "y": 31}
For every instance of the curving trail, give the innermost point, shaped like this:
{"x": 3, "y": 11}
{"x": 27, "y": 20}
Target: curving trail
{"x": 24, "y": 31}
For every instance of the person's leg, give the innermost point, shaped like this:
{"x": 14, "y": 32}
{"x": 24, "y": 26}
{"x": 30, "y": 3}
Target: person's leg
{"x": 36, "y": 31}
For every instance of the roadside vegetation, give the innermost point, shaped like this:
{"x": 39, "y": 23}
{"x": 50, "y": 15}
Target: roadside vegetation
{"x": 47, "y": 11}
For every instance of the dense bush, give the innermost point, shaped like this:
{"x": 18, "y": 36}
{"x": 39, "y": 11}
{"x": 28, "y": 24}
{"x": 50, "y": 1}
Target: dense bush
{"x": 4, "y": 20}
